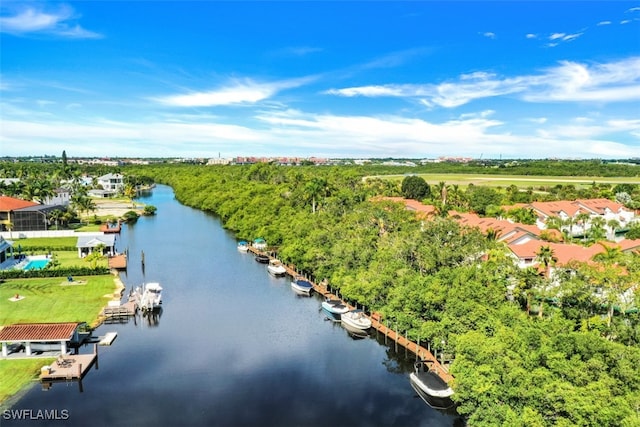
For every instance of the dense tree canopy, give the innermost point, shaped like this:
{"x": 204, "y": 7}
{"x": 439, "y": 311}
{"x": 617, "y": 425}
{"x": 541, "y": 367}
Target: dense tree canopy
{"x": 515, "y": 363}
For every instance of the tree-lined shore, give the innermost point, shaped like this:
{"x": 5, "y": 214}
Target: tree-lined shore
{"x": 563, "y": 366}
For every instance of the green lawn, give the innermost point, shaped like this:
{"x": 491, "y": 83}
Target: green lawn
{"x": 50, "y": 299}
{"x": 16, "y": 374}
{"x": 71, "y": 259}
{"x": 44, "y": 242}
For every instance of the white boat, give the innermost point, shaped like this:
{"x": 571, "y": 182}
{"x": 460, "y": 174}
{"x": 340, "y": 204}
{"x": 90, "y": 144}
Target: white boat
{"x": 243, "y": 246}
{"x": 276, "y": 268}
{"x": 335, "y": 307}
{"x": 356, "y": 319}
{"x": 301, "y": 286}
{"x": 430, "y": 387}
{"x": 260, "y": 244}
{"x": 151, "y": 298}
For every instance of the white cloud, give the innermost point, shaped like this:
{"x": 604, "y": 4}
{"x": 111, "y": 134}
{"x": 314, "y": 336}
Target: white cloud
{"x": 489, "y": 35}
{"x": 531, "y": 36}
{"x": 31, "y": 20}
{"x": 626, "y": 21}
{"x": 371, "y": 91}
{"x": 236, "y": 93}
{"x": 291, "y": 132}
{"x": 603, "y": 23}
{"x": 556, "y": 36}
{"x": 568, "y": 82}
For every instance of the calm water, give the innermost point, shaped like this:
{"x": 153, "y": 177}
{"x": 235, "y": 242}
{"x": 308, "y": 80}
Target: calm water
{"x": 233, "y": 346}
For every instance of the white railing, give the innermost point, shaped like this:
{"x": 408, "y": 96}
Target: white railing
{"x": 14, "y": 235}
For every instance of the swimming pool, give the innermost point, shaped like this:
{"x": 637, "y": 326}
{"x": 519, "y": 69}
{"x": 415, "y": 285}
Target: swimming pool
{"x": 36, "y": 264}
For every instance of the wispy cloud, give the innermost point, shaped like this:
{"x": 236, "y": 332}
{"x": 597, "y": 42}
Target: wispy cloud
{"x": 296, "y": 51}
{"x": 531, "y": 36}
{"x": 291, "y": 132}
{"x": 568, "y": 82}
{"x": 395, "y": 59}
{"x": 35, "y": 20}
{"x": 489, "y": 35}
{"x": 601, "y": 23}
{"x": 237, "y": 92}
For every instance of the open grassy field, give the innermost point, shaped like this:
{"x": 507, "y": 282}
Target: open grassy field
{"x": 518, "y": 180}
{"x": 16, "y": 373}
{"x": 54, "y": 299}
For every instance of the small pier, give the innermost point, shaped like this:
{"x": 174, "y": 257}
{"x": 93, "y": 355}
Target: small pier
{"x": 377, "y": 324}
{"x": 108, "y": 338}
{"x": 118, "y": 262}
{"x": 108, "y": 228}
{"x": 69, "y": 367}
{"x": 129, "y": 308}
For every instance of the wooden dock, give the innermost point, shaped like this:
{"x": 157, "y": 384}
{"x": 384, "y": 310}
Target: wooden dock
{"x": 107, "y": 229}
{"x": 376, "y": 323}
{"x": 75, "y": 368}
{"x": 129, "y": 308}
{"x": 118, "y": 262}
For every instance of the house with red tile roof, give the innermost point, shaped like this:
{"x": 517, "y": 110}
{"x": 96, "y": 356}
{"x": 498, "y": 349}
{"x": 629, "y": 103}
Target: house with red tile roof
{"x": 24, "y": 215}
{"x": 46, "y": 335}
{"x": 605, "y": 208}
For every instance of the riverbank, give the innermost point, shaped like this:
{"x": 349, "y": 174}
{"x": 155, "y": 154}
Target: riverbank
{"x": 35, "y": 306}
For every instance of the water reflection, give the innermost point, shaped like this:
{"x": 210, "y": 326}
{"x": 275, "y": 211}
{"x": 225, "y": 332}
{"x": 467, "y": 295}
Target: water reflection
{"x": 234, "y": 347}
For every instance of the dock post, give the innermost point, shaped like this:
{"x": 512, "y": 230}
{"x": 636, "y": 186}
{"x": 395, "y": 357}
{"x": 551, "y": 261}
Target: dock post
{"x": 396, "y": 337}
{"x": 95, "y": 351}
{"x": 406, "y": 341}
{"x": 418, "y": 349}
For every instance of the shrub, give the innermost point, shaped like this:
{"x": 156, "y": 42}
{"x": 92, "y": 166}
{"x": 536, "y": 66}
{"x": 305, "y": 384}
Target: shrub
{"x": 130, "y": 216}
{"x": 149, "y": 210}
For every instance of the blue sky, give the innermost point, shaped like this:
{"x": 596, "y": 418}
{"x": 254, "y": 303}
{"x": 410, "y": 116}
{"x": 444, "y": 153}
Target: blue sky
{"x": 328, "y": 79}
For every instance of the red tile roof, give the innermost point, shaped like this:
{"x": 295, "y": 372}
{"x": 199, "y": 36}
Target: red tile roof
{"x": 564, "y": 253}
{"x": 8, "y": 204}
{"x": 38, "y": 331}
{"x": 599, "y": 205}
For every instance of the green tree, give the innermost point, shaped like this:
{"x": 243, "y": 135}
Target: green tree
{"x": 414, "y": 187}
{"x": 480, "y": 198}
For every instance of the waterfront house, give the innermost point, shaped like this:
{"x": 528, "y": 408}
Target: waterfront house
{"x": 111, "y": 182}
{"x": 86, "y": 244}
{"x": 38, "y": 337}
{"x": 23, "y": 215}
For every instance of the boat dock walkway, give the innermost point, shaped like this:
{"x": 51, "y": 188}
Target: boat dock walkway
{"x": 74, "y": 367}
{"x": 129, "y": 308}
{"x": 376, "y": 323}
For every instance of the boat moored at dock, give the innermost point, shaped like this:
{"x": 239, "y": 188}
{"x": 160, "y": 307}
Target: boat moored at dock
{"x": 356, "y": 319}
{"x": 335, "y": 308}
{"x": 430, "y": 387}
{"x": 151, "y": 298}
{"x": 301, "y": 285}
{"x": 276, "y": 268}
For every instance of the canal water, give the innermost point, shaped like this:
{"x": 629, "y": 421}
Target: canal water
{"x": 232, "y": 346}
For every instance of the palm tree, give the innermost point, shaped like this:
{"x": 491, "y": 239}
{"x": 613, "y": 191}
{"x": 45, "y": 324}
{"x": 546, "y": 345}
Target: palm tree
{"x": 9, "y": 226}
{"x": 597, "y": 231}
{"x": 569, "y": 222}
{"x": 583, "y": 220}
{"x": 316, "y": 188}
{"x": 612, "y": 276}
{"x": 613, "y": 225}
{"x": 130, "y": 192}
{"x": 545, "y": 255}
